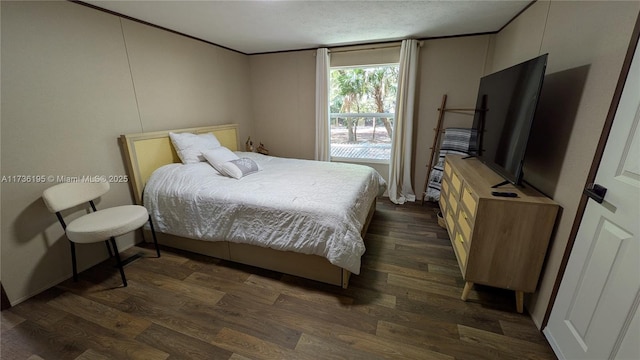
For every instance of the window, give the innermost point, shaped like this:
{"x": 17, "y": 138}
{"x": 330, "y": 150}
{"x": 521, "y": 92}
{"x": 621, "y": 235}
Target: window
{"x": 362, "y": 105}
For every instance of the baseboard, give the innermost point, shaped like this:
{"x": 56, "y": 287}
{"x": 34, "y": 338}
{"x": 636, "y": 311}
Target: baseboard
{"x": 58, "y": 280}
{"x": 4, "y": 300}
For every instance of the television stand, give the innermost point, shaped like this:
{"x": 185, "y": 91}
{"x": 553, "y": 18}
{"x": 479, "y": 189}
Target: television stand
{"x": 498, "y": 241}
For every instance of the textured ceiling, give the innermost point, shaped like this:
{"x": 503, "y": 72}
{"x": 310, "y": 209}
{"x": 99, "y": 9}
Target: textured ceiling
{"x": 263, "y": 26}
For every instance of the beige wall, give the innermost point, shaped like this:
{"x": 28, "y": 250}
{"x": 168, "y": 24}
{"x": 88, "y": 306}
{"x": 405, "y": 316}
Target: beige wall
{"x": 73, "y": 80}
{"x": 283, "y": 93}
{"x": 180, "y": 81}
{"x": 447, "y": 66}
{"x": 586, "y": 42}
{"x": 283, "y": 103}
{"x": 520, "y": 41}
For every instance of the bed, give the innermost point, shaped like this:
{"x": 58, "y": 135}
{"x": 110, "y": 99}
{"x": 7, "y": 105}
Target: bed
{"x": 243, "y": 226}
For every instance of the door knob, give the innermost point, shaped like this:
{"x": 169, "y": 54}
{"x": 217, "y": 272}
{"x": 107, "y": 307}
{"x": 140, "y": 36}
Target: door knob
{"x": 596, "y": 192}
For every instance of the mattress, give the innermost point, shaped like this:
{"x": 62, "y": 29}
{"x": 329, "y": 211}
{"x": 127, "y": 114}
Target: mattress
{"x": 295, "y": 205}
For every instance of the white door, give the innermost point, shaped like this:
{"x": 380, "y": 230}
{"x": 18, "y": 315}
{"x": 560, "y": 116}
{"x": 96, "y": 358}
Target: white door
{"x": 595, "y": 315}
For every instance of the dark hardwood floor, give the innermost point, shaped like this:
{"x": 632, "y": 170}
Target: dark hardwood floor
{"x": 405, "y": 304}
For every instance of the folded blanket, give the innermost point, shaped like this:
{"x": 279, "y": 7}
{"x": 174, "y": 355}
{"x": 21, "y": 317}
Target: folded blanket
{"x": 454, "y": 141}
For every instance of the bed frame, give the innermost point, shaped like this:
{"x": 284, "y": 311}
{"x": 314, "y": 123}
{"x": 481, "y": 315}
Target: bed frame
{"x": 145, "y": 152}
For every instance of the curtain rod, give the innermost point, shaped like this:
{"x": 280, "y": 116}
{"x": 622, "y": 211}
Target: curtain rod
{"x": 350, "y": 48}
{"x": 357, "y": 48}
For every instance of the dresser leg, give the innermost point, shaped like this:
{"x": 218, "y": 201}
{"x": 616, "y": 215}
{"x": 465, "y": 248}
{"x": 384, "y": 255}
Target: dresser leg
{"x": 519, "y": 301}
{"x": 467, "y": 288}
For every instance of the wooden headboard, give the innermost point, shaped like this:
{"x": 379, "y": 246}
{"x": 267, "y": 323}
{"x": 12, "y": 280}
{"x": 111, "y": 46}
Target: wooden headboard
{"x": 145, "y": 152}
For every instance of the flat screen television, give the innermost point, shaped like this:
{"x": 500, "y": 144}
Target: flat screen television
{"x": 505, "y": 109}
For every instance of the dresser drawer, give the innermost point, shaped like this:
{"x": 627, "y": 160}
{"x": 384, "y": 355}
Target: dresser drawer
{"x": 443, "y": 204}
{"x": 456, "y": 183}
{"x": 447, "y": 170}
{"x": 453, "y": 202}
{"x": 451, "y": 223}
{"x": 444, "y": 194}
{"x": 444, "y": 187}
{"x": 465, "y": 228}
{"x": 469, "y": 201}
{"x": 460, "y": 251}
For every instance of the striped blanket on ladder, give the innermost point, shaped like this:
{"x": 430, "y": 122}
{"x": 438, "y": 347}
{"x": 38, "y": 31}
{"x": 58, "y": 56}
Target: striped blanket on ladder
{"x": 454, "y": 141}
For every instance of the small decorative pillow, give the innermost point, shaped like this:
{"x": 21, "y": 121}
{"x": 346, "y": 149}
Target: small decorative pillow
{"x": 240, "y": 167}
{"x": 218, "y": 156}
{"x": 191, "y": 146}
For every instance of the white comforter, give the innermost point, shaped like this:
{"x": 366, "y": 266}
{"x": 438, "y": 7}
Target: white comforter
{"x": 297, "y": 205}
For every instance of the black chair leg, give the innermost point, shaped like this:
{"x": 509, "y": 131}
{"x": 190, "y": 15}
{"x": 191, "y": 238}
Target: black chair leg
{"x": 153, "y": 233}
{"x": 73, "y": 260}
{"x": 115, "y": 250}
{"x": 106, "y": 242}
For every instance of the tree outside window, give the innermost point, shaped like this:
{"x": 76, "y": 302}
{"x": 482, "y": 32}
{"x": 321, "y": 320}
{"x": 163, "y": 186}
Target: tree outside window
{"x": 363, "y": 101}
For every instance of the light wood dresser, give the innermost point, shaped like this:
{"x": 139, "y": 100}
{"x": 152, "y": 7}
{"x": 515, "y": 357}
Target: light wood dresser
{"x": 498, "y": 241}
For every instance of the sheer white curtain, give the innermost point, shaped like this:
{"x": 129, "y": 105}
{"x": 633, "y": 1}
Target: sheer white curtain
{"x": 400, "y": 189}
{"x": 322, "y": 105}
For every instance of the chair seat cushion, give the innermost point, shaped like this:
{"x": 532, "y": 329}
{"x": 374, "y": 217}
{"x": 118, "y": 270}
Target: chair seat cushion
{"x": 103, "y": 224}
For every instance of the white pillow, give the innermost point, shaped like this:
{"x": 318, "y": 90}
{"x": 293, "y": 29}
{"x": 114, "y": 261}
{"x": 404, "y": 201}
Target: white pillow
{"x": 218, "y": 156}
{"x": 190, "y": 146}
{"x": 240, "y": 167}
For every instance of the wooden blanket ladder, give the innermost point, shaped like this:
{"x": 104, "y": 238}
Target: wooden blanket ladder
{"x": 439, "y": 130}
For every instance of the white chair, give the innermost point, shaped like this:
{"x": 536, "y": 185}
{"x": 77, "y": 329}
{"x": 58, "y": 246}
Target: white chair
{"x": 97, "y": 226}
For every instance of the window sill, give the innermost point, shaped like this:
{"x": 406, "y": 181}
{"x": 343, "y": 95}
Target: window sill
{"x": 360, "y": 160}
